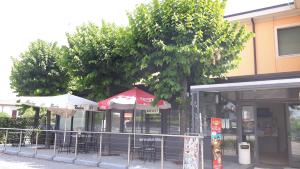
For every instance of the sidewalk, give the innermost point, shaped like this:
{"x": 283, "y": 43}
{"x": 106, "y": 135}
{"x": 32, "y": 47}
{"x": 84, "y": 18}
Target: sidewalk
{"x": 17, "y": 162}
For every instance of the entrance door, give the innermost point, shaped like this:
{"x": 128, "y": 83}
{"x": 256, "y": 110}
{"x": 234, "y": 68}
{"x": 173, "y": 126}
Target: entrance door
{"x": 294, "y": 134}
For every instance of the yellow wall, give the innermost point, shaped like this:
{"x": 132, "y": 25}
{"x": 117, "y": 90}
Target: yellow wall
{"x": 247, "y": 63}
{"x": 267, "y": 59}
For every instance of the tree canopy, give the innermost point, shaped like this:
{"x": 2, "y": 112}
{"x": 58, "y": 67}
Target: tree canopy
{"x": 100, "y": 60}
{"x": 38, "y": 71}
{"x": 184, "y": 42}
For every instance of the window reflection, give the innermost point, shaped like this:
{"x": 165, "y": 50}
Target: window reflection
{"x": 294, "y": 111}
{"x": 128, "y": 120}
{"x": 99, "y": 122}
{"x": 65, "y": 122}
{"x": 79, "y": 120}
{"x": 115, "y": 121}
{"x": 153, "y": 123}
{"x": 173, "y": 122}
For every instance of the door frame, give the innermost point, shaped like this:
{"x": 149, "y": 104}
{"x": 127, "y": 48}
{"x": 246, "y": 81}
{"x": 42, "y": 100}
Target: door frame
{"x": 255, "y": 156}
{"x": 288, "y": 127}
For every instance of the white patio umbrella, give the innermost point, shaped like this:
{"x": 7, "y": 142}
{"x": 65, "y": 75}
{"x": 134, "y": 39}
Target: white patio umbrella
{"x": 64, "y": 105}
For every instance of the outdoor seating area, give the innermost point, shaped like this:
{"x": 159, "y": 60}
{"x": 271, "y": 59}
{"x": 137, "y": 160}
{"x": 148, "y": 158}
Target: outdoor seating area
{"x": 96, "y": 148}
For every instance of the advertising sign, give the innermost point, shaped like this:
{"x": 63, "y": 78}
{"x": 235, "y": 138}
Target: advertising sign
{"x": 191, "y": 153}
{"x": 216, "y": 142}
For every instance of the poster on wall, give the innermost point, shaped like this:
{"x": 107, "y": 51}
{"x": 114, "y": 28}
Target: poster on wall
{"x": 191, "y": 153}
{"x": 248, "y": 119}
{"x": 216, "y": 142}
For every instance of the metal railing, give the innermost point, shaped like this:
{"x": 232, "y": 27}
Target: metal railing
{"x": 100, "y": 148}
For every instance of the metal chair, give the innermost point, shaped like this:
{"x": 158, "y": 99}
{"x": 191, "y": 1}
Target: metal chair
{"x": 149, "y": 149}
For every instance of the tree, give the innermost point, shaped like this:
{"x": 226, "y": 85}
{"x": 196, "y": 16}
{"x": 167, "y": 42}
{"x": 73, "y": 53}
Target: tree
{"x": 38, "y": 72}
{"x": 100, "y": 60}
{"x": 184, "y": 42}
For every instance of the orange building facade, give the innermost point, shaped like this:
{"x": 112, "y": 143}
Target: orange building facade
{"x": 264, "y": 58}
{"x": 259, "y": 102}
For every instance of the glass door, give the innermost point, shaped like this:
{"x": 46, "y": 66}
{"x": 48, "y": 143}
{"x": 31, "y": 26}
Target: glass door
{"x": 294, "y": 134}
{"x": 248, "y": 129}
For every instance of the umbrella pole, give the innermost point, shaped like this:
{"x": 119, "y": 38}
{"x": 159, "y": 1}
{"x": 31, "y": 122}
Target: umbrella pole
{"x": 134, "y": 112}
{"x": 65, "y": 131}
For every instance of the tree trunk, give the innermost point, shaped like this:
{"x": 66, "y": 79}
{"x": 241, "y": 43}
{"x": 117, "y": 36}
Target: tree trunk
{"x": 183, "y": 107}
{"x": 48, "y": 124}
{"x": 36, "y": 117}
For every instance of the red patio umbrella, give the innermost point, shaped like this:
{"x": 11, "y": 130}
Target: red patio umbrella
{"x": 132, "y": 99}
{"x": 135, "y": 99}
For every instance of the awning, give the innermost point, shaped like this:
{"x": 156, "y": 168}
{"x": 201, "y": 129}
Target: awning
{"x": 65, "y": 105}
{"x": 248, "y": 86}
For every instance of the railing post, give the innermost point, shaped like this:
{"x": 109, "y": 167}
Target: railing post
{"x": 162, "y": 153}
{"x": 36, "y": 142}
{"x": 76, "y": 145}
{"x": 20, "y": 141}
{"x": 100, "y": 148}
{"x": 128, "y": 151}
{"x": 202, "y": 154}
{"x": 6, "y": 138}
{"x": 54, "y": 148}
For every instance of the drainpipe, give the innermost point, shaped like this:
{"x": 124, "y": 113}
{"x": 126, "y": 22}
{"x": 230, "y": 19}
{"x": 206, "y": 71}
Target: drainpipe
{"x": 254, "y": 46}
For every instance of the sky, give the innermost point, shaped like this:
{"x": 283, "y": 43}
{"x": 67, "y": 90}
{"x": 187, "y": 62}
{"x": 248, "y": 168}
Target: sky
{"x": 23, "y": 21}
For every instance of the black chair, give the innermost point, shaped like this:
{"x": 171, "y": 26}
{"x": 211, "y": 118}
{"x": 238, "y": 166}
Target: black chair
{"x": 64, "y": 145}
{"x": 82, "y": 143}
{"x": 92, "y": 142}
{"x": 149, "y": 149}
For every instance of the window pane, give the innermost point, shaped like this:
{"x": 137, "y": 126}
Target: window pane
{"x": 128, "y": 122}
{"x": 174, "y": 122}
{"x": 79, "y": 121}
{"x": 65, "y": 122}
{"x": 289, "y": 40}
{"x": 98, "y": 121}
{"x": 153, "y": 124}
{"x": 115, "y": 124}
{"x": 139, "y": 121}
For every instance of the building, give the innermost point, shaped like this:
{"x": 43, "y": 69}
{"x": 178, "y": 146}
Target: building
{"x": 9, "y": 107}
{"x": 260, "y": 101}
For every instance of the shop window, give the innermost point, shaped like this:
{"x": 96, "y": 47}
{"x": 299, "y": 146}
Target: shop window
{"x": 139, "y": 121}
{"x": 153, "y": 123}
{"x": 174, "y": 124}
{"x": 65, "y": 122}
{"x": 288, "y": 40}
{"x": 115, "y": 122}
{"x": 128, "y": 122}
{"x": 99, "y": 122}
{"x": 79, "y": 120}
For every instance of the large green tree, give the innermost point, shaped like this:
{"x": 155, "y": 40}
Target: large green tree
{"x": 100, "y": 60}
{"x": 38, "y": 72}
{"x": 184, "y": 42}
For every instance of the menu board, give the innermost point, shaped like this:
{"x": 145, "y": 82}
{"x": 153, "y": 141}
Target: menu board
{"x": 216, "y": 142}
{"x": 191, "y": 153}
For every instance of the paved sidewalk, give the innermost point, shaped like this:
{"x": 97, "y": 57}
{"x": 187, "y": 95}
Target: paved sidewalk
{"x": 17, "y": 162}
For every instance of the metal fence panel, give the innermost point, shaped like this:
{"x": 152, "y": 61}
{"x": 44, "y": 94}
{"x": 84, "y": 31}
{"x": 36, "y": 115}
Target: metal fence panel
{"x": 104, "y": 149}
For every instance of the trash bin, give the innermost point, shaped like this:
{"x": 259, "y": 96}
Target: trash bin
{"x": 244, "y": 153}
